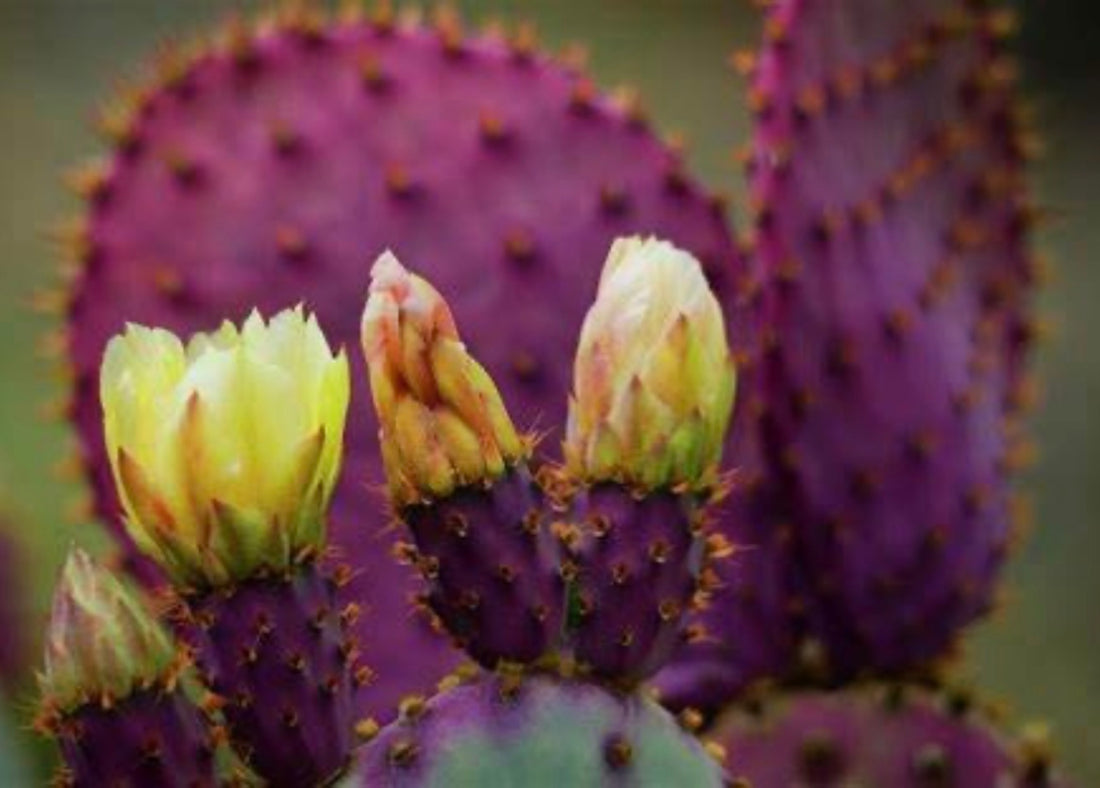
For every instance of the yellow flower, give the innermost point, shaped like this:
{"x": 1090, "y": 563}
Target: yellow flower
{"x": 101, "y": 643}
{"x": 442, "y": 421}
{"x": 653, "y": 381}
{"x": 226, "y": 452}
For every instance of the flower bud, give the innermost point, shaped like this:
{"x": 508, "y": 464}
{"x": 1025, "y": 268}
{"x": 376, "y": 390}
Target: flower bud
{"x": 442, "y": 422}
{"x": 653, "y": 380}
{"x": 102, "y": 644}
{"x": 225, "y": 453}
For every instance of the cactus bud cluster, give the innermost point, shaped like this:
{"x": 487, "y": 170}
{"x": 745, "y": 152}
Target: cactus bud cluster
{"x": 601, "y": 564}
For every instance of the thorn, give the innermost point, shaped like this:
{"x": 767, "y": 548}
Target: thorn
{"x": 90, "y": 183}
{"x": 524, "y": 42}
{"x": 691, "y": 720}
{"x": 819, "y": 758}
{"x": 290, "y": 718}
{"x": 613, "y": 200}
{"x": 629, "y": 102}
{"x": 574, "y": 56}
{"x": 383, "y": 18}
{"x": 668, "y": 610}
{"x": 897, "y": 324}
{"x": 366, "y": 729}
{"x": 617, "y": 752}
{"x": 291, "y": 243}
{"x": 492, "y": 129}
{"x": 743, "y": 62}
{"x": 676, "y": 181}
{"x": 519, "y": 246}
{"x": 374, "y": 78}
{"x": 341, "y": 576}
{"x": 776, "y": 30}
{"x": 167, "y": 281}
{"x": 526, "y": 368}
{"x": 469, "y": 600}
{"x": 402, "y": 753}
{"x": 659, "y": 551}
{"x": 184, "y": 170}
{"x": 363, "y": 676}
{"x": 53, "y": 345}
{"x": 285, "y": 139}
{"x": 448, "y": 25}
{"x": 932, "y": 765}
{"x": 398, "y": 181}
{"x": 118, "y": 125}
{"x": 412, "y": 707}
{"x": 582, "y": 96}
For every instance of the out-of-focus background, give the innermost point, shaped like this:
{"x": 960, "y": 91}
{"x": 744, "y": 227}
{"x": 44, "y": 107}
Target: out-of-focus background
{"x": 60, "y": 58}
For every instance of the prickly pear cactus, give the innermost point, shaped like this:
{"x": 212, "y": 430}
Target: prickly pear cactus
{"x": 906, "y": 738}
{"x": 537, "y": 732}
{"x": 274, "y": 167}
{"x": 890, "y": 215}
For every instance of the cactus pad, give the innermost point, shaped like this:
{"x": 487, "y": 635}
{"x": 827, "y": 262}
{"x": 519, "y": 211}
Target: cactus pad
{"x": 884, "y": 736}
{"x": 492, "y": 566}
{"x": 639, "y": 562}
{"x": 539, "y": 733}
{"x": 890, "y": 229}
{"x": 152, "y": 737}
{"x": 279, "y": 653}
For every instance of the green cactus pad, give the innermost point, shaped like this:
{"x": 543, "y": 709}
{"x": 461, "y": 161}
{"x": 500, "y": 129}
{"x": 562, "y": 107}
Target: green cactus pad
{"x": 538, "y": 732}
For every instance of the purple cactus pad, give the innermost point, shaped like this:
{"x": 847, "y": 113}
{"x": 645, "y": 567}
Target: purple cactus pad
{"x": 273, "y": 170}
{"x": 639, "y": 561}
{"x": 886, "y": 176}
{"x": 885, "y": 737}
{"x": 492, "y": 567}
{"x": 279, "y": 652}
{"x": 152, "y": 737}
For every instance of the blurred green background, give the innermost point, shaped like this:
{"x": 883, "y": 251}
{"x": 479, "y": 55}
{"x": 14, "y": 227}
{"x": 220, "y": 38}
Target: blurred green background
{"x": 59, "y": 58}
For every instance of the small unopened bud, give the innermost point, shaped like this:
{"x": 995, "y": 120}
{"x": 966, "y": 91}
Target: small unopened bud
{"x": 102, "y": 642}
{"x": 442, "y": 421}
{"x": 654, "y": 380}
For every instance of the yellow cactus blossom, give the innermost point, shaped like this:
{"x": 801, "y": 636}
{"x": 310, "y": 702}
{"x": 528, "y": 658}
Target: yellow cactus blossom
{"x": 442, "y": 421}
{"x": 225, "y": 452}
{"x": 102, "y": 644}
{"x": 653, "y": 379}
